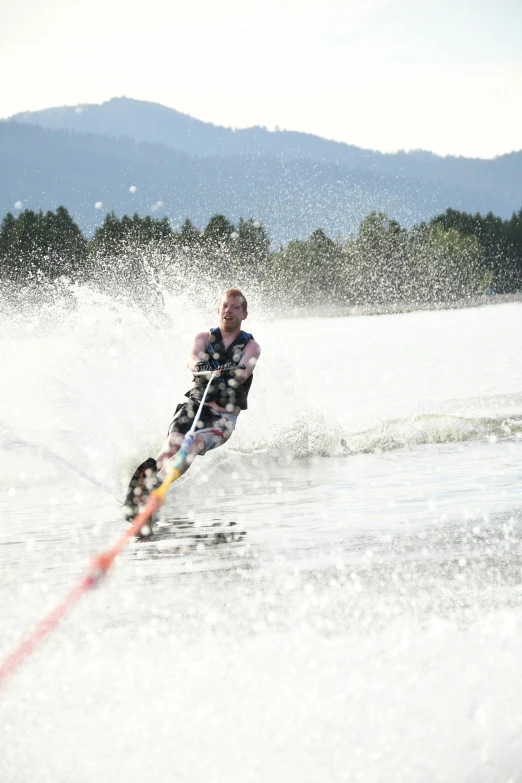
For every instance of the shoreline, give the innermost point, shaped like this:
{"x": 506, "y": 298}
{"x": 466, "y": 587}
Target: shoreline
{"x": 344, "y": 311}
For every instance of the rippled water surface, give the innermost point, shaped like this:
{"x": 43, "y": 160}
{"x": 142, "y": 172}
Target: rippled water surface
{"x": 334, "y": 595}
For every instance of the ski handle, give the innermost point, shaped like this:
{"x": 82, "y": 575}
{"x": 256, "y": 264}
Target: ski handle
{"x": 218, "y": 372}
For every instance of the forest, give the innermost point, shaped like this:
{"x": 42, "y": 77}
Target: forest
{"x": 453, "y": 256}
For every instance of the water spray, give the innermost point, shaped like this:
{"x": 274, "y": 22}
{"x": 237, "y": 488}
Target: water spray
{"x": 101, "y": 564}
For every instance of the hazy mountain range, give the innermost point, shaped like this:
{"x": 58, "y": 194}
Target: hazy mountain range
{"x": 179, "y": 166}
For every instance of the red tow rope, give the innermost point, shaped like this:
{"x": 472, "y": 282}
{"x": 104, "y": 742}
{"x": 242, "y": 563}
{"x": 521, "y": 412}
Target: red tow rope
{"x": 101, "y": 564}
{"x": 98, "y": 570}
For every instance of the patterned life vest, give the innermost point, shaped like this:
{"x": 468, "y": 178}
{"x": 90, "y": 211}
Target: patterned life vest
{"x": 226, "y": 395}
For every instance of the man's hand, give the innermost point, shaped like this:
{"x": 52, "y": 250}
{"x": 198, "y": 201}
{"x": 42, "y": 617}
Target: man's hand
{"x": 204, "y": 367}
{"x": 228, "y": 370}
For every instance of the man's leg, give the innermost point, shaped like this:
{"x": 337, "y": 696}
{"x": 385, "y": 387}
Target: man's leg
{"x": 153, "y": 471}
{"x": 171, "y": 447}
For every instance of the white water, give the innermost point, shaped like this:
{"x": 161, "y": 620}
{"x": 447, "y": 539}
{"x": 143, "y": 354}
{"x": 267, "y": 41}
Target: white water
{"x": 361, "y": 622}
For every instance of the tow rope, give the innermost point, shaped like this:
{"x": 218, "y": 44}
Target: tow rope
{"x": 101, "y": 564}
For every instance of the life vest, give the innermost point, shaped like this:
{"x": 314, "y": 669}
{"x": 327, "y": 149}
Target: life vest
{"x": 232, "y": 398}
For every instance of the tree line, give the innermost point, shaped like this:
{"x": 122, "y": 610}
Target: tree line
{"x": 452, "y": 256}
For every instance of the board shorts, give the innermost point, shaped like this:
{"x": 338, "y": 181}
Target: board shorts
{"x": 214, "y": 426}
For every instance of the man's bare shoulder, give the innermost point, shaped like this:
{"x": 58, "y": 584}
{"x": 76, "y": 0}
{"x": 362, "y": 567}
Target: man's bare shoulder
{"x": 198, "y": 350}
{"x": 201, "y": 336}
{"x": 200, "y": 342}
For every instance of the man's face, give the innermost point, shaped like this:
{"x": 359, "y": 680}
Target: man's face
{"x": 231, "y": 313}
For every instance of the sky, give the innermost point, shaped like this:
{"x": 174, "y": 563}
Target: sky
{"x": 441, "y": 76}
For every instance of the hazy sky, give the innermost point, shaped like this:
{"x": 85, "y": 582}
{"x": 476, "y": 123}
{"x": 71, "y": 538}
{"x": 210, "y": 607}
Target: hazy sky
{"x": 444, "y": 76}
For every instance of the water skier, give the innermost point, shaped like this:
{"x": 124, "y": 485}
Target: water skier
{"x": 235, "y": 353}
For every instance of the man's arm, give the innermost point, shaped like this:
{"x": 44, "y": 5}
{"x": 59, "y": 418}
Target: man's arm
{"x": 198, "y": 350}
{"x": 249, "y": 358}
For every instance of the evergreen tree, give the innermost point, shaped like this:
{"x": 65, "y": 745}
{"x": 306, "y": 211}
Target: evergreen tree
{"x": 453, "y": 256}
{"x": 380, "y": 261}
{"x": 446, "y": 265}
{"x": 252, "y": 247}
{"x": 309, "y": 269}
{"x": 37, "y": 245}
{"x": 217, "y": 233}
{"x": 108, "y": 238}
{"x": 514, "y": 240}
{"x": 7, "y": 233}
{"x": 189, "y": 236}
{"x": 500, "y": 251}
{"x": 68, "y": 246}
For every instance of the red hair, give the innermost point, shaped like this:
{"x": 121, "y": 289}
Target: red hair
{"x": 236, "y": 292}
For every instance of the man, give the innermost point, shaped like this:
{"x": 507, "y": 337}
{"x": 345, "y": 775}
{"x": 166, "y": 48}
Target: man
{"x": 226, "y": 346}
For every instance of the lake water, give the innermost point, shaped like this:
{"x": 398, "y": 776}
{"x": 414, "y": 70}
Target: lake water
{"x": 335, "y": 595}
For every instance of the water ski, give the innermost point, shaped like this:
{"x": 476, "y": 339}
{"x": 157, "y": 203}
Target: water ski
{"x": 183, "y": 530}
{"x": 143, "y": 481}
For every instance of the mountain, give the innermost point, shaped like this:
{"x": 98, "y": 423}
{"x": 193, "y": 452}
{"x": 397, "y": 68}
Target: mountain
{"x": 45, "y": 168}
{"x": 182, "y": 167}
{"x": 151, "y": 122}
{"x": 491, "y": 184}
